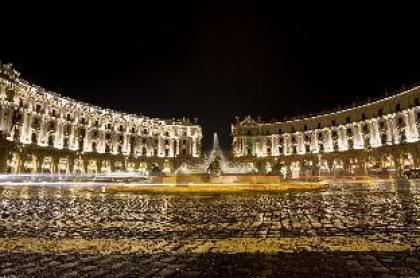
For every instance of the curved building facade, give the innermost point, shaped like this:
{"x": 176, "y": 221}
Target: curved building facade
{"x": 42, "y": 131}
{"x": 379, "y": 136}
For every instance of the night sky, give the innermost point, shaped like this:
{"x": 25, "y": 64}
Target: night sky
{"x": 215, "y": 62}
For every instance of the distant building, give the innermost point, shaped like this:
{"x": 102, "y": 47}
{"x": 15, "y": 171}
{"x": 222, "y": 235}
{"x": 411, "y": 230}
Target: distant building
{"x": 42, "y": 131}
{"x": 378, "y": 136}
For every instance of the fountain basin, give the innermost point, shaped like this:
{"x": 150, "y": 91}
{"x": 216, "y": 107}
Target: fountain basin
{"x": 222, "y": 179}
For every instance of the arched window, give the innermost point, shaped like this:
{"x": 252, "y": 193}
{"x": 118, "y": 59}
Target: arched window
{"x": 348, "y": 120}
{"x": 51, "y": 140}
{"x": 34, "y": 138}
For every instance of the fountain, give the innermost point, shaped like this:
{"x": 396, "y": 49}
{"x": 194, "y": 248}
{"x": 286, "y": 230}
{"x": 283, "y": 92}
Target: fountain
{"x": 216, "y": 164}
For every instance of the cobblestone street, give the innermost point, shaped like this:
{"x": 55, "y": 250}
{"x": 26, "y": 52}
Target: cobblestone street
{"x": 345, "y": 230}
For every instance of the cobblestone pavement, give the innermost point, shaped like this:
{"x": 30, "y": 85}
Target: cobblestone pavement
{"x": 345, "y": 230}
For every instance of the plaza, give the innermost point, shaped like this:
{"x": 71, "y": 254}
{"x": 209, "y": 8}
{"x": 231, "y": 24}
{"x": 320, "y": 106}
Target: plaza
{"x": 341, "y": 231}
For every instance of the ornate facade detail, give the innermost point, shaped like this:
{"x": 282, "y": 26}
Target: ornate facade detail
{"x": 37, "y": 119}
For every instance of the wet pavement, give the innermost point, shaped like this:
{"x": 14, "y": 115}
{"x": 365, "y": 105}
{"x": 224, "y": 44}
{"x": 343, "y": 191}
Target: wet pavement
{"x": 345, "y": 230}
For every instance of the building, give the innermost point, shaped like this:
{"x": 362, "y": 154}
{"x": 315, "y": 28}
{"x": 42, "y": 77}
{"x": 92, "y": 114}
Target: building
{"x": 380, "y": 136}
{"x": 42, "y": 131}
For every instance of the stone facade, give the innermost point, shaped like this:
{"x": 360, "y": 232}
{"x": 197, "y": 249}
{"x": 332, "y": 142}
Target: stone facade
{"x": 46, "y": 132}
{"x": 378, "y": 135}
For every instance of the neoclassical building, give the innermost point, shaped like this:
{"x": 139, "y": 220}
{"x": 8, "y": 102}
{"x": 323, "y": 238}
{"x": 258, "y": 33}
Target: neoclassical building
{"x": 42, "y": 131}
{"x": 378, "y": 136}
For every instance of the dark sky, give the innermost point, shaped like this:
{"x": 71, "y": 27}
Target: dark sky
{"x": 215, "y": 62}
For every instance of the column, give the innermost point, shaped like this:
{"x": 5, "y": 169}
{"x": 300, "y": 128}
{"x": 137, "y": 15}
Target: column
{"x": 274, "y": 149}
{"x": 357, "y": 137}
{"x": 374, "y": 135}
{"x": 171, "y": 147}
{"x": 342, "y": 139}
{"x": 87, "y": 143}
{"x": 300, "y": 144}
{"x": 59, "y": 136}
{"x": 2, "y": 117}
{"x": 125, "y": 145}
{"x": 101, "y": 142}
{"x": 328, "y": 142}
{"x": 114, "y": 142}
{"x": 24, "y": 129}
{"x": 389, "y": 131}
{"x": 73, "y": 140}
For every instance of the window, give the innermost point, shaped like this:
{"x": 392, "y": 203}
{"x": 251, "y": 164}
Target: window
{"x": 66, "y": 143}
{"x": 307, "y": 148}
{"x": 319, "y": 125}
{"x": 248, "y": 132}
{"x": 398, "y": 107}
{"x": 280, "y": 130}
{"x": 305, "y": 127}
{"x": 166, "y": 152}
{"x": 348, "y": 120}
{"x": 382, "y": 124}
{"x": 380, "y": 113}
{"x": 349, "y": 132}
{"x": 33, "y": 138}
{"x": 366, "y": 129}
{"x": 363, "y": 116}
{"x": 383, "y": 138}
{"x": 184, "y": 142}
{"x": 68, "y": 117}
{"x": 51, "y": 141}
{"x": 38, "y": 108}
{"x": 267, "y": 133}
{"x": 167, "y": 134}
{"x": 416, "y": 101}
{"x": 320, "y": 136}
{"x": 293, "y": 129}
{"x": 334, "y": 133}
{"x": 333, "y": 123}
{"x": 184, "y": 151}
{"x": 166, "y": 142}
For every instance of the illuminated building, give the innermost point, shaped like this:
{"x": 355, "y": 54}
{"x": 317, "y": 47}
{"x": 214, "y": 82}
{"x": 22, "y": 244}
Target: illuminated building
{"x": 43, "y": 131}
{"x": 378, "y": 135}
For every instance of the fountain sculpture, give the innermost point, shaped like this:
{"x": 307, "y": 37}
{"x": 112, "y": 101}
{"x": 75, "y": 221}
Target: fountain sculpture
{"x": 215, "y": 164}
